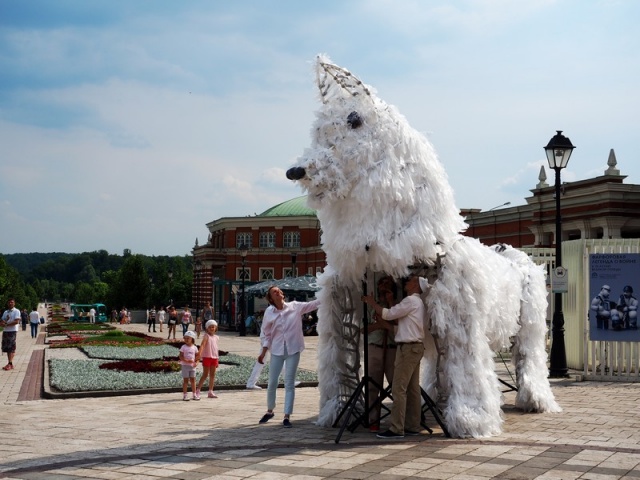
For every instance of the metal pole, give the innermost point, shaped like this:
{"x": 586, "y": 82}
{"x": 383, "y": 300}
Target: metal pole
{"x": 242, "y": 326}
{"x": 558, "y": 356}
{"x": 197, "y": 293}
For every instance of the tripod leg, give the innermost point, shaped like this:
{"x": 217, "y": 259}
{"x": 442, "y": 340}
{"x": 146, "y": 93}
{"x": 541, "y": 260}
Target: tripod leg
{"x": 363, "y": 419}
{"x": 348, "y": 409}
{"x": 430, "y": 405}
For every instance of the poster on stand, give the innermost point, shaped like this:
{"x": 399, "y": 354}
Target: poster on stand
{"x": 614, "y": 281}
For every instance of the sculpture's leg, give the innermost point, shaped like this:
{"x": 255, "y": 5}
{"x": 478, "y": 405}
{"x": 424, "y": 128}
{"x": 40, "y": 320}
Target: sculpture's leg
{"x": 338, "y": 345}
{"x": 529, "y": 352}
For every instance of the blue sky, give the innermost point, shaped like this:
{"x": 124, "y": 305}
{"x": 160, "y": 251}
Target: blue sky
{"x": 133, "y": 124}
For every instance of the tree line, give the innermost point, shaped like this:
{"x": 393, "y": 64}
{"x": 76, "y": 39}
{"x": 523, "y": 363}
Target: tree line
{"x": 132, "y": 280}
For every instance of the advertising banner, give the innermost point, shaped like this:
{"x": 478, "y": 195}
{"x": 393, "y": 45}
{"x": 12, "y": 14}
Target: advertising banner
{"x": 614, "y": 280}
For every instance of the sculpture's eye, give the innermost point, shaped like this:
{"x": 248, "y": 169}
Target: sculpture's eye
{"x": 354, "y": 119}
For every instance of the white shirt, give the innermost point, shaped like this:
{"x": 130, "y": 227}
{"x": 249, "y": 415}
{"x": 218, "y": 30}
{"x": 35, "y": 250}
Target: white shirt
{"x": 92, "y": 313}
{"x": 411, "y": 312}
{"x": 34, "y": 317}
{"x": 280, "y": 327}
{"x": 9, "y": 316}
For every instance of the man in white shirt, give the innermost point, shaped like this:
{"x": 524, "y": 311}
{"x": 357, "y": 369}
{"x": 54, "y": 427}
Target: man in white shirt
{"x": 10, "y": 320}
{"x": 410, "y": 314}
{"x": 34, "y": 321}
{"x": 92, "y": 315}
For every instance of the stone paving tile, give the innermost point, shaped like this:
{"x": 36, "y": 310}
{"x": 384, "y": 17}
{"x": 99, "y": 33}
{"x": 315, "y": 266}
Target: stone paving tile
{"x": 144, "y": 436}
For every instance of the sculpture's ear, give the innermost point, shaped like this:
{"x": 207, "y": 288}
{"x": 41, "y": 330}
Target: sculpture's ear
{"x": 334, "y": 81}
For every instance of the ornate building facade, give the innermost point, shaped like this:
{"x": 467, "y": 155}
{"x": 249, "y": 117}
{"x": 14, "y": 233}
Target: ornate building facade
{"x": 600, "y": 207}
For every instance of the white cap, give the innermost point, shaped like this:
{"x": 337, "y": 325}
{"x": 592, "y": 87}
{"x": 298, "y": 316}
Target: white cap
{"x": 190, "y": 334}
{"x": 210, "y": 323}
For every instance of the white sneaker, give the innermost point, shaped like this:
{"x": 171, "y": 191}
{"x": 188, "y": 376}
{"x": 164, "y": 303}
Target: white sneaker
{"x": 185, "y": 397}
{"x": 255, "y": 387}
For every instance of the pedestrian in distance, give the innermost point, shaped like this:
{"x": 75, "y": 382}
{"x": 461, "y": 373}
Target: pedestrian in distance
{"x": 209, "y": 354}
{"x": 186, "y": 319}
{"x": 24, "y": 318}
{"x": 151, "y": 319}
{"x": 172, "y": 323}
{"x": 160, "y": 316}
{"x": 34, "y": 321}
{"x": 198, "y": 328}
{"x": 11, "y": 319}
{"x": 188, "y": 362}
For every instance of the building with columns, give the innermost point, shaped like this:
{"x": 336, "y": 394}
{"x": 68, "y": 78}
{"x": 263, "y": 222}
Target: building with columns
{"x": 284, "y": 240}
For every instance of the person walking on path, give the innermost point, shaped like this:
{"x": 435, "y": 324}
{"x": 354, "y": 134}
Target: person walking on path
{"x": 282, "y": 335}
{"x": 11, "y": 319}
{"x": 207, "y": 313}
{"x": 188, "y": 362}
{"x": 172, "y": 323}
{"x": 186, "y": 319}
{"x": 151, "y": 319}
{"x": 209, "y": 354}
{"x": 34, "y": 321}
{"x": 160, "y": 316}
{"x": 198, "y": 328}
{"x": 24, "y": 318}
{"x": 405, "y": 390}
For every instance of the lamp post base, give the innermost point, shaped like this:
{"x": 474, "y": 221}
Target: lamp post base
{"x": 558, "y": 357}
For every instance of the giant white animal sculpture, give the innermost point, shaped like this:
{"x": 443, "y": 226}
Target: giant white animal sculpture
{"x": 385, "y": 205}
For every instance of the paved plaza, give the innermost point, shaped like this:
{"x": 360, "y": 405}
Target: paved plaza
{"x": 153, "y": 436}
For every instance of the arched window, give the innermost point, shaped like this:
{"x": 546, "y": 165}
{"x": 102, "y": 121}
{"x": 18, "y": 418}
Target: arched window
{"x": 267, "y": 239}
{"x": 266, "y": 274}
{"x": 243, "y": 238}
{"x": 291, "y": 239}
{"x": 246, "y": 273}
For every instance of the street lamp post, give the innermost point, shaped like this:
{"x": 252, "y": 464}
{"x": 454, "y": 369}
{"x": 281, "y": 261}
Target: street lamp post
{"x": 242, "y": 327}
{"x": 170, "y": 275}
{"x": 558, "y": 151}
{"x": 198, "y": 267}
{"x": 294, "y": 257}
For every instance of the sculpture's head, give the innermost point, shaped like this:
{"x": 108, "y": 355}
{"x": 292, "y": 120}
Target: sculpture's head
{"x": 345, "y": 136}
{"x": 374, "y": 180}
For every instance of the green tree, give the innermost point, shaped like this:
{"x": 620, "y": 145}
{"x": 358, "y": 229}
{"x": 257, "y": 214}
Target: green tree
{"x": 11, "y": 285}
{"x": 84, "y": 293}
{"x": 131, "y": 287}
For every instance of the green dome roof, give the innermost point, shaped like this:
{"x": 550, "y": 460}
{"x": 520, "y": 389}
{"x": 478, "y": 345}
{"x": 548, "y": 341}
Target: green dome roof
{"x": 295, "y": 207}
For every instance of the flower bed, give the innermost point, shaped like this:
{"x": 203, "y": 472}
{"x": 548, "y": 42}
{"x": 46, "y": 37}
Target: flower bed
{"x": 112, "y": 338}
{"x": 110, "y": 352}
{"x": 143, "y": 366}
{"x": 86, "y": 375}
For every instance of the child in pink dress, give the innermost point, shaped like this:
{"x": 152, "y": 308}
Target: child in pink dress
{"x": 188, "y": 356}
{"x": 209, "y": 354}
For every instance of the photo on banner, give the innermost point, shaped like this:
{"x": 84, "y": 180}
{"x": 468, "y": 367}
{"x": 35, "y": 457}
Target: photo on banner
{"x": 614, "y": 281}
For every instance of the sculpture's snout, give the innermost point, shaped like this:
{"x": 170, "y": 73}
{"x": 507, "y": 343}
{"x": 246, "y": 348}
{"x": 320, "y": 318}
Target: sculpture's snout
{"x": 296, "y": 173}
